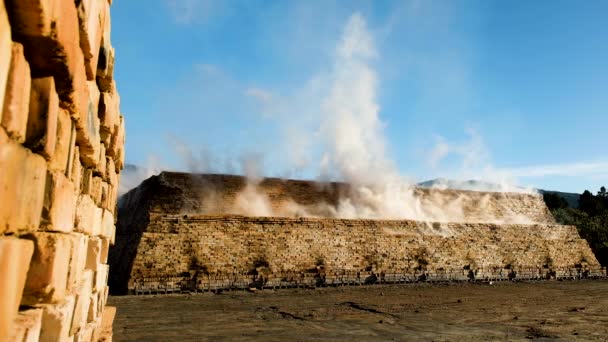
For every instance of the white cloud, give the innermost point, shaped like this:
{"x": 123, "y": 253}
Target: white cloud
{"x": 189, "y": 11}
{"x": 594, "y": 169}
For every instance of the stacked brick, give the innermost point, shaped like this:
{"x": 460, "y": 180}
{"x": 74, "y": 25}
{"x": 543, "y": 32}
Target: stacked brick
{"x": 61, "y": 152}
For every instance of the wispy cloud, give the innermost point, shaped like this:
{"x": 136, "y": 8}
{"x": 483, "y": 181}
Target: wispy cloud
{"x": 190, "y": 11}
{"x": 593, "y": 169}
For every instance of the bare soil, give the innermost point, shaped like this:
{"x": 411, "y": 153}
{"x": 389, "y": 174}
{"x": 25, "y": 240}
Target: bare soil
{"x": 551, "y": 310}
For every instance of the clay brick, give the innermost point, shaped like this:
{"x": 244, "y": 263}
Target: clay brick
{"x": 105, "y": 64}
{"x": 109, "y": 111}
{"x": 94, "y": 249}
{"x": 116, "y": 144}
{"x": 59, "y": 203}
{"x": 57, "y": 320}
{"x": 93, "y": 313}
{"x": 21, "y": 187}
{"x": 15, "y": 256}
{"x": 5, "y": 51}
{"x": 41, "y": 131}
{"x": 17, "y": 96}
{"x": 105, "y": 247}
{"x": 101, "y": 166}
{"x": 87, "y": 181}
{"x": 85, "y": 334}
{"x": 101, "y": 277}
{"x": 77, "y": 169}
{"x": 83, "y": 297}
{"x": 91, "y": 18}
{"x": 108, "y": 228}
{"x": 107, "y": 318}
{"x": 105, "y": 196}
{"x": 48, "y": 29}
{"x": 64, "y": 148}
{"x": 78, "y": 259}
{"x": 97, "y": 222}
{"x": 48, "y": 273}
{"x": 85, "y": 215}
{"x": 27, "y": 326}
{"x": 87, "y": 127}
{"x": 111, "y": 172}
{"x": 95, "y": 189}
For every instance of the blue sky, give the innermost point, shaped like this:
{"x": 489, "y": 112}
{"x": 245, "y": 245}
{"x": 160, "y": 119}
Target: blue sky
{"x": 511, "y": 91}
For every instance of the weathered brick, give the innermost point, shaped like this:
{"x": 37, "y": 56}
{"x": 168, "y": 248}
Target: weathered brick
{"x": 94, "y": 249}
{"x": 101, "y": 166}
{"x": 95, "y": 189}
{"x": 41, "y": 131}
{"x": 64, "y": 147}
{"x": 85, "y": 214}
{"x": 17, "y": 96}
{"x": 105, "y": 247}
{"x": 83, "y": 297}
{"x": 15, "y": 256}
{"x": 5, "y": 51}
{"x": 87, "y": 126}
{"x": 108, "y": 227}
{"x": 76, "y": 173}
{"x": 109, "y": 111}
{"x": 91, "y": 18}
{"x": 48, "y": 273}
{"x": 59, "y": 203}
{"x": 27, "y": 326}
{"x": 105, "y": 64}
{"x": 107, "y": 318}
{"x": 93, "y": 313}
{"x": 97, "y": 229}
{"x": 78, "y": 259}
{"x": 101, "y": 277}
{"x": 57, "y": 320}
{"x": 48, "y": 29}
{"x": 116, "y": 145}
{"x": 21, "y": 187}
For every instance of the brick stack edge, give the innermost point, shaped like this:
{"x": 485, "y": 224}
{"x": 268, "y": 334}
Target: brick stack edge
{"x": 61, "y": 152}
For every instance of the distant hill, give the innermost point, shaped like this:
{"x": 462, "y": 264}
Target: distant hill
{"x": 571, "y": 198}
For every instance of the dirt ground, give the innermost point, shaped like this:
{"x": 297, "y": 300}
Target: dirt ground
{"x": 552, "y": 310}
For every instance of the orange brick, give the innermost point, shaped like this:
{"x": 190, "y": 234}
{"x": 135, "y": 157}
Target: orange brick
{"x": 94, "y": 249}
{"x": 21, "y": 187}
{"x": 91, "y": 18}
{"x": 48, "y": 29}
{"x": 28, "y": 325}
{"x": 17, "y": 96}
{"x": 78, "y": 259}
{"x": 76, "y": 173}
{"x": 59, "y": 203}
{"x": 41, "y": 132}
{"x": 105, "y": 64}
{"x": 48, "y": 273}
{"x": 64, "y": 147}
{"x": 5, "y": 51}
{"x": 87, "y": 126}
{"x": 15, "y": 256}
{"x": 85, "y": 214}
{"x": 83, "y": 298}
{"x": 57, "y": 320}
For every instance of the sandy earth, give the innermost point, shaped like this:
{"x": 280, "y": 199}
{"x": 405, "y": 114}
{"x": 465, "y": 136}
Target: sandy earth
{"x": 552, "y": 310}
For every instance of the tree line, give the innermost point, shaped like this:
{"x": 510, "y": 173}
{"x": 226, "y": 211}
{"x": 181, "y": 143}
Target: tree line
{"x": 590, "y": 217}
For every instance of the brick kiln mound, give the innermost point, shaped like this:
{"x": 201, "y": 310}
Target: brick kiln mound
{"x": 181, "y": 231}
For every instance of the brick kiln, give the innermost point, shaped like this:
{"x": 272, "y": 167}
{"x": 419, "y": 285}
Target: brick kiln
{"x": 181, "y": 231}
{"x": 61, "y": 152}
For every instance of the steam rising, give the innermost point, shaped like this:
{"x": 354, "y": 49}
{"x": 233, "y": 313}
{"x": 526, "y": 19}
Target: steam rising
{"x": 355, "y": 151}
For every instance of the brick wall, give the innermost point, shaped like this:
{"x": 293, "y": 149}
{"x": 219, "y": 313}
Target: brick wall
{"x": 222, "y": 251}
{"x": 177, "y": 231}
{"x": 184, "y": 193}
{"x": 61, "y": 152}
